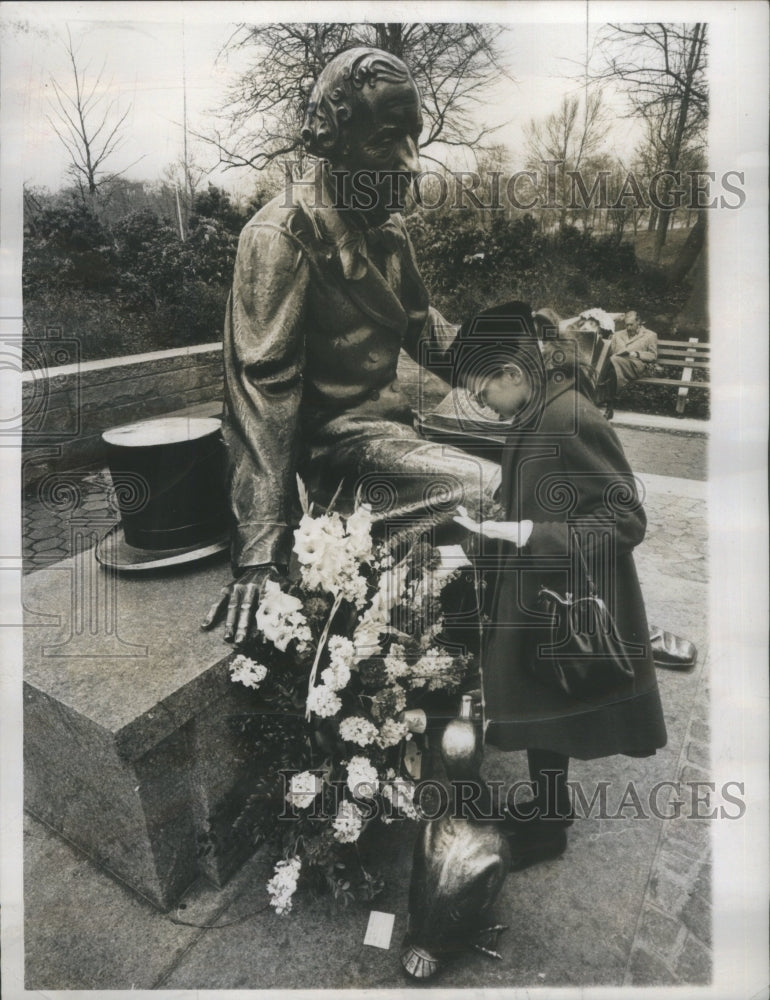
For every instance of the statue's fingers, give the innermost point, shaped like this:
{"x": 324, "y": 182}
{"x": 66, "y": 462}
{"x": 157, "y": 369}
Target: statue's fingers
{"x": 246, "y": 612}
{"x": 232, "y": 612}
{"x": 215, "y": 611}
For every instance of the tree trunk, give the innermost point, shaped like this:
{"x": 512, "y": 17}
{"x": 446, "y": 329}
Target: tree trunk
{"x": 692, "y": 246}
{"x": 693, "y": 61}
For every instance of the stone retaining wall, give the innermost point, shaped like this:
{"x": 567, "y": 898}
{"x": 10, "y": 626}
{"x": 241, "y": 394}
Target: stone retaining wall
{"x": 66, "y": 409}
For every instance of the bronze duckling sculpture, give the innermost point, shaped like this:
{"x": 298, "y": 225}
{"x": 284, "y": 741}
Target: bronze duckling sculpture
{"x": 459, "y": 867}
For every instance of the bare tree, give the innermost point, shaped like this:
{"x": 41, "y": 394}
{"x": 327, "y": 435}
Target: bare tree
{"x": 89, "y": 125}
{"x": 452, "y": 64}
{"x": 566, "y": 139}
{"x": 183, "y": 178}
{"x": 663, "y": 68}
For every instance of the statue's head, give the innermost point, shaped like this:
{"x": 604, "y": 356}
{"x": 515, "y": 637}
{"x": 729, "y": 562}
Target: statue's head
{"x": 364, "y": 113}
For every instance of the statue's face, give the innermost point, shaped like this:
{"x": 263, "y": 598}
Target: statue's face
{"x": 383, "y": 138}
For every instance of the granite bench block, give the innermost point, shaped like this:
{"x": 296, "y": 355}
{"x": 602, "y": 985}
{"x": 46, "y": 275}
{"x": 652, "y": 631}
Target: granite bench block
{"x": 226, "y": 766}
{"x": 130, "y": 748}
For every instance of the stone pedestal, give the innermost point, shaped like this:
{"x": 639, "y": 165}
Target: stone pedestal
{"x": 132, "y": 745}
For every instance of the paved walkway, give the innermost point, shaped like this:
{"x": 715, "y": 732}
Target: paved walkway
{"x": 628, "y": 904}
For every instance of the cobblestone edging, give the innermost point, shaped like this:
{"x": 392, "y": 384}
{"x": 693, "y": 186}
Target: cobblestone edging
{"x": 48, "y": 513}
{"x": 672, "y": 944}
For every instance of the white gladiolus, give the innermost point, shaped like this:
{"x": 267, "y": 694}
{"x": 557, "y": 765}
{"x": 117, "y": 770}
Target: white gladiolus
{"x": 330, "y": 558}
{"x": 280, "y": 619}
{"x": 359, "y": 532}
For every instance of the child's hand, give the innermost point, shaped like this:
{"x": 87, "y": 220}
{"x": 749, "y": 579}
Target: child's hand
{"x": 463, "y": 517}
{"x": 516, "y": 532}
{"x": 489, "y": 529}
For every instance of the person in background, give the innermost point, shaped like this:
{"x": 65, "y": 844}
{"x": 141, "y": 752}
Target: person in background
{"x": 631, "y": 350}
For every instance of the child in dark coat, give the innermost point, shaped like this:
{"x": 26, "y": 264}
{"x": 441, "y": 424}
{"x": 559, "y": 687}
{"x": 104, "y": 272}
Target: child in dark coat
{"x": 566, "y": 485}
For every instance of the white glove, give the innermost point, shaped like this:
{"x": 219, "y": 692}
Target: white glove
{"x": 516, "y": 532}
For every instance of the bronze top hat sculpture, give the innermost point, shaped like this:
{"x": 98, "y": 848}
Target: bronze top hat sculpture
{"x": 168, "y": 478}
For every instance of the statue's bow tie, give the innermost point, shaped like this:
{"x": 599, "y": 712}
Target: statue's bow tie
{"x": 354, "y": 248}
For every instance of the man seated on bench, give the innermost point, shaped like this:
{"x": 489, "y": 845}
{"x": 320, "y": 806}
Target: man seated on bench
{"x": 632, "y": 350}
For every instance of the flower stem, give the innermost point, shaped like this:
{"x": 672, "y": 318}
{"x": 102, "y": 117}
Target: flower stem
{"x": 320, "y": 649}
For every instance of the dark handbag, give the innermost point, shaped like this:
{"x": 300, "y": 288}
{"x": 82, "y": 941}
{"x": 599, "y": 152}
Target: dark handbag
{"x": 586, "y": 659}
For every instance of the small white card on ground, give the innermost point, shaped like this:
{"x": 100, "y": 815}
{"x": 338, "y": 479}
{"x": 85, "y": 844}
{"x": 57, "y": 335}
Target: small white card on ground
{"x": 453, "y": 557}
{"x": 380, "y": 929}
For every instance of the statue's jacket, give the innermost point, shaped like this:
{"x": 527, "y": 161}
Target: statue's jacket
{"x": 320, "y": 306}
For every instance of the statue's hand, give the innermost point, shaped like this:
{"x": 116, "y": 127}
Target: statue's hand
{"x": 240, "y": 599}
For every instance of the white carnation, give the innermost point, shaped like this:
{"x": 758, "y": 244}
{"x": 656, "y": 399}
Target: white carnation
{"x": 303, "y": 789}
{"x": 362, "y": 777}
{"x": 246, "y": 671}
{"x": 357, "y": 729}
{"x": 337, "y": 677}
{"x": 283, "y": 884}
{"x": 347, "y": 823}
{"x": 341, "y": 650}
{"x": 401, "y": 794}
{"x": 323, "y": 701}
{"x": 396, "y": 666}
{"x": 341, "y": 658}
{"x": 391, "y": 733}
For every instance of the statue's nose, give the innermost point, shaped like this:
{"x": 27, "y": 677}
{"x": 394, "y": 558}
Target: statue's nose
{"x": 407, "y": 156}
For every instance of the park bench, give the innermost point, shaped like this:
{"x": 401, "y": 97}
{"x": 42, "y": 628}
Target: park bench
{"x": 685, "y": 356}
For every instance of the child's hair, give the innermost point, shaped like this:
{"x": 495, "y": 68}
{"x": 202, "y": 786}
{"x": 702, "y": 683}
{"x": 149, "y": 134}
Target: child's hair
{"x": 503, "y": 334}
{"x": 495, "y": 338}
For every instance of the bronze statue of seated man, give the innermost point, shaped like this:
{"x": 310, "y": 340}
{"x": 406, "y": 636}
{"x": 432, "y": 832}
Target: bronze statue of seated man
{"x": 326, "y": 293}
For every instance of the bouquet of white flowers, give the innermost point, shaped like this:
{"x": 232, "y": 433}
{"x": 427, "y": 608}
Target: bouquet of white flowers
{"x": 345, "y": 653}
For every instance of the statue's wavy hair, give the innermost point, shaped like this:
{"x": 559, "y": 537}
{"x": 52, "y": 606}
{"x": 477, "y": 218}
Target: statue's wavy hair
{"x": 333, "y": 98}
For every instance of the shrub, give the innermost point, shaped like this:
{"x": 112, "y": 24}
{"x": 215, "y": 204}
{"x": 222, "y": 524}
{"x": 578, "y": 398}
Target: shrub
{"x": 133, "y": 285}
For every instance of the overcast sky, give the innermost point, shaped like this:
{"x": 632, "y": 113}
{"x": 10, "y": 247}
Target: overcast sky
{"x": 148, "y": 49}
